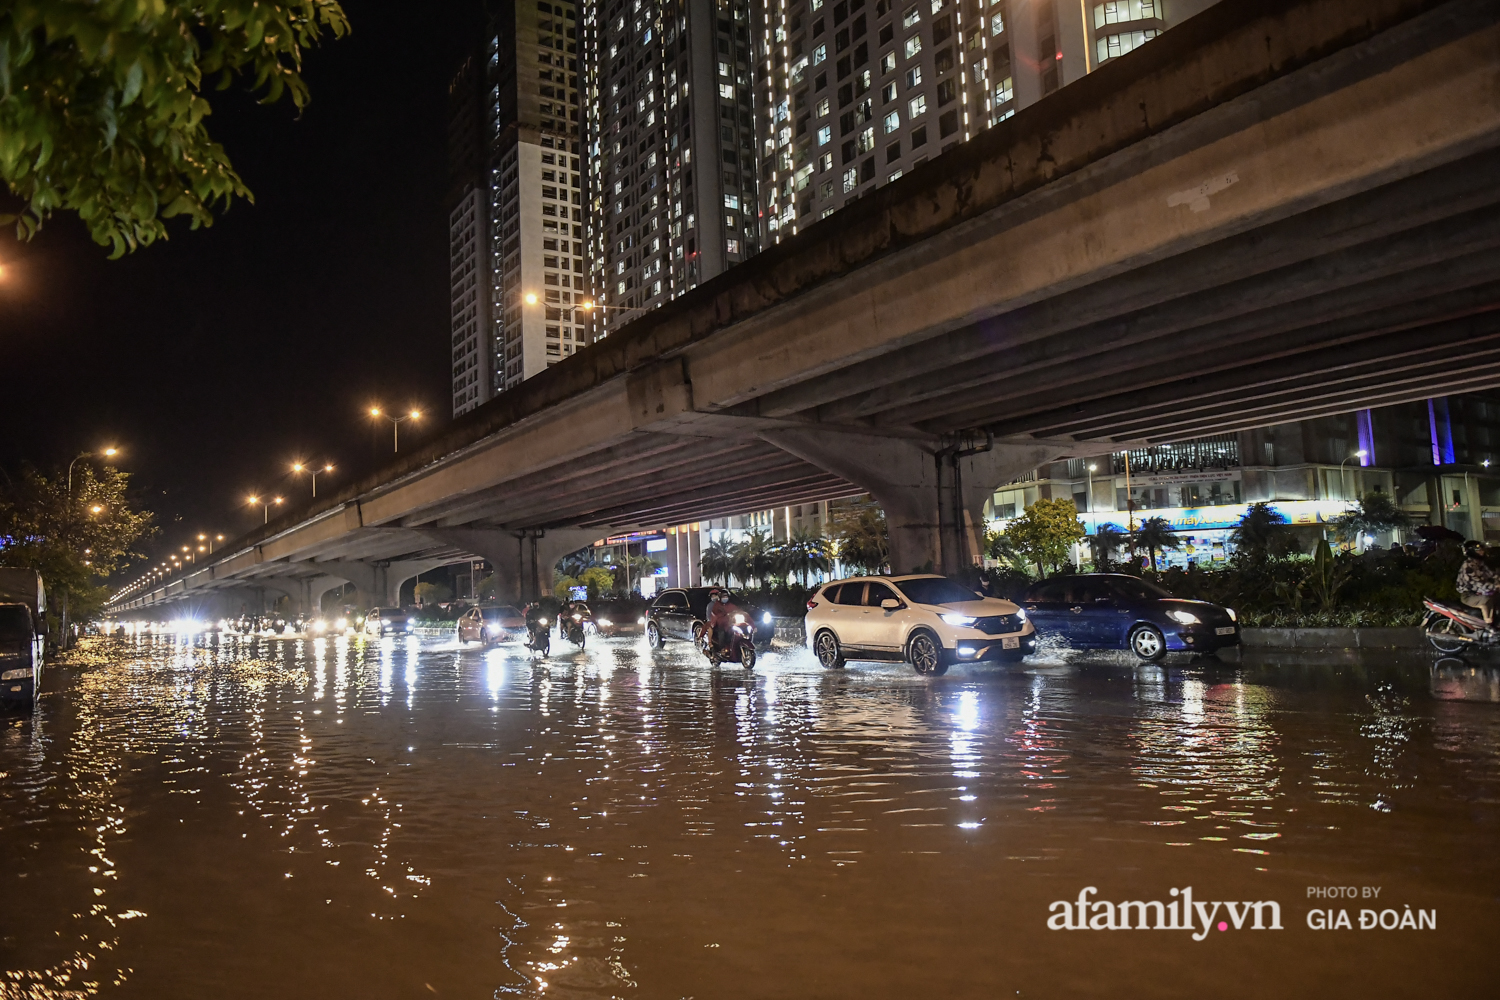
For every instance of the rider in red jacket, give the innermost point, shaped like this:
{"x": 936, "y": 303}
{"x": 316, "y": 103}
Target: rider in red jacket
{"x": 721, "y": 614}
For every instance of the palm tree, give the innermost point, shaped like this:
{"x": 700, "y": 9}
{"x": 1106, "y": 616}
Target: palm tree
{"x": 717, "y": 561}
{"x": 1105, "y": 544}
{"x": 804, "y": 553}
{"x": 1156, "y": 535}
{"x": 753, "y": 558}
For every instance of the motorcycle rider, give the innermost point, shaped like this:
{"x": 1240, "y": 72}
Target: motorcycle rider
{"x": 1478, "y": 581}
{"x": 535, "y": 622}
{"x": 721, "y": 612}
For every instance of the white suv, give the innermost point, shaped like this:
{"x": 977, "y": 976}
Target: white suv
{"x": 928, "y": 621}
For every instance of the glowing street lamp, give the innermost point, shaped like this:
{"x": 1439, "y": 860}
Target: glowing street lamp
{"x": 265, "y": 505}
{"x": 298, "y": 467}
{"x": 376, "y": 411}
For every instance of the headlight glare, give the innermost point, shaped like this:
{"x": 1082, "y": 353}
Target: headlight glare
{"x": 1183, "y": 617}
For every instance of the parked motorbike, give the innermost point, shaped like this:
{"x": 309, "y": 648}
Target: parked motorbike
{"x": 539, "y": 636}
{"x": 739, "y": 649}
{"x": 1452, "y": 629}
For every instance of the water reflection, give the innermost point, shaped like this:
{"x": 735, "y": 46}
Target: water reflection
{"x": 616, "y": 820}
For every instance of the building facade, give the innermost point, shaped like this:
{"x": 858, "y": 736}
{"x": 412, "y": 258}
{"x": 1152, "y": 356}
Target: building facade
{"x": 857, "y": 93}
{"x": 670, "y": 128}
{"x": 1433, "y": 458}
{"x": 516, "y": 224}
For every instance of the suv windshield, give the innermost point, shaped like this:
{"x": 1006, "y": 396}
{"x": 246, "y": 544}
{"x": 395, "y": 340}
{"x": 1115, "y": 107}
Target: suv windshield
{"x": 936, "y": 590}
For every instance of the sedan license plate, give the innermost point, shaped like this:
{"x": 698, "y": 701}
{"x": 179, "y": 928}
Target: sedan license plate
{"x": 1010, "y": 642}
{"x": 1225, "y": 630}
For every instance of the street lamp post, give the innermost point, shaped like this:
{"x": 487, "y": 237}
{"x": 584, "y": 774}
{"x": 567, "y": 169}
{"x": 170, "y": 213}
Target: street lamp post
{"x": 376, "y": 411}
{"x": 108, "y": 453}
{"x": 265, "y": 506}
{"x": 313, "y": 472}
{"x": 1358, "y": 454}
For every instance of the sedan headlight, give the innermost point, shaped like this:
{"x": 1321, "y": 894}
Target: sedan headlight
{"x": 1232, "y": 616}
{"x": 605, "y": 623}
{"x": 1183, "y": 617}
{"x": 16, "y": 675}
{"x": 492, "y": 629}
{"x": 959, "y": 619}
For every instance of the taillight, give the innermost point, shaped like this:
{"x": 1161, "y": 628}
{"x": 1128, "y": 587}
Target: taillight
{"x": 811, "y": 605}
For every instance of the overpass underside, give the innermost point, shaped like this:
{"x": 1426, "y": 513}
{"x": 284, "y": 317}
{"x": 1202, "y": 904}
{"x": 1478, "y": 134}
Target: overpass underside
{"x": 1273, "y": 212}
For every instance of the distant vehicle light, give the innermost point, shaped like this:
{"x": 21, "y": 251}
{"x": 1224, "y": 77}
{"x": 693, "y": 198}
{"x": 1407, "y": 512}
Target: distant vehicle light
{"x": 959, "y": 619}
{"x": 605, "y": 623}
{"x": 341, "y": 624}
{"x": 641, "y": 620}
{"x": 1183, "y": 617}
{"x": 766, "y": 618}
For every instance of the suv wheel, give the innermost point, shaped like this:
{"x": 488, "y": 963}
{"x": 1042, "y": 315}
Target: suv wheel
{"x": 1148, "y": 643}
{"x": 925, "y": 654}
{"x": 653, "y": 635}
{"x": 826, "y": 648}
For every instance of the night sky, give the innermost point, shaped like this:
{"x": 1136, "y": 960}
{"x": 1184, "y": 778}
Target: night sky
{"x": 219, "y": 357}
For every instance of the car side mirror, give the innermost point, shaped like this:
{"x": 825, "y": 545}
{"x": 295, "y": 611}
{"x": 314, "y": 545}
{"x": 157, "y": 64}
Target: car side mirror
{"x": 890, "y": 604}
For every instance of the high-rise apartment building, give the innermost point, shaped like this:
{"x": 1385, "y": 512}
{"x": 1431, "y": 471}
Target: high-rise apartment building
{"x": 857, "y": 92}
{"x": 516, "y": 223}
{"x": 670, "y": 107}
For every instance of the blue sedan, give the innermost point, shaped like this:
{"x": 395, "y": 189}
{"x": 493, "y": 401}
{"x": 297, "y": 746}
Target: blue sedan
{"x": 1114, "y": 611}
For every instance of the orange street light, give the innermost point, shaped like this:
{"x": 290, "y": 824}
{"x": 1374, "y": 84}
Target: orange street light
{"x": 298, "y": 467}
{"x": 375, "y": 411}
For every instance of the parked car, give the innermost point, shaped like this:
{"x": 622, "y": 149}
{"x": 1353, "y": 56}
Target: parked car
{"x": 388, "y": 621}
{"x": 682, "y": 613}
{"x": 929, "y": 621}
{"x": 490, "y": 623}
{"x": 1116, "y": 611}
{"x": 619, "y": 618}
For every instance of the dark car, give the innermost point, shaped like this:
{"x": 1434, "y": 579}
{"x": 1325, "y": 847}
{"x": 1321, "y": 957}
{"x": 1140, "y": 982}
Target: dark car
{"x": 619, "y": 617}
{"x": 1115, "y": 611}
{"x": 682, "y": 613}
{"x": 491, "y": 623}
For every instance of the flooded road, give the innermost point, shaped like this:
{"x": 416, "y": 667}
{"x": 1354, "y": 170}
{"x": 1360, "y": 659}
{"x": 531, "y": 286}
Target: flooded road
{"x": 206, "y": 817}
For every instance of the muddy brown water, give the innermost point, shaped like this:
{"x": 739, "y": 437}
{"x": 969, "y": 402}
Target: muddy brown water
{"x": 227, "y": 817}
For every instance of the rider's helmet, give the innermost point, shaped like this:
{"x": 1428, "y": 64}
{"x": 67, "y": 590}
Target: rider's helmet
{"x": 717, "y": 594}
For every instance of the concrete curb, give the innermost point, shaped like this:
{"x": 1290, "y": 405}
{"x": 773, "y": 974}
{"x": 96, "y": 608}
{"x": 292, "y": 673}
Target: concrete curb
{"x": 1409, "y": 637}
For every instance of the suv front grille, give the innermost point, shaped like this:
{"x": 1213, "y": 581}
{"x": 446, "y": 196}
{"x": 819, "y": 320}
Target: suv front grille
{"x": 996, "y": 624}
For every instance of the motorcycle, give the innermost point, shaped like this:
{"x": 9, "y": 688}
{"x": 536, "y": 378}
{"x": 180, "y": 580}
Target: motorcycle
{"x": 1451, "y": 629}
{"x": 538, "y": 636}
{"x": 575, "y": 628}
{"x": 740, "y": 648}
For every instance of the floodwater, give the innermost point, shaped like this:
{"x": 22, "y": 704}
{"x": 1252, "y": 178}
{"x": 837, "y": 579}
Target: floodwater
{"x": 206, "y": 817}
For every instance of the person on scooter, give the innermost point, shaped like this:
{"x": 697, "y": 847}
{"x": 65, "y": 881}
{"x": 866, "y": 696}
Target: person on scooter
{"x": 1478, "y": 581}
{"x": 721, "y": 612}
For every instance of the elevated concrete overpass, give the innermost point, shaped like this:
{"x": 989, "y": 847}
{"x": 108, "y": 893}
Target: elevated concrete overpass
{"x": 1275, "y": 211}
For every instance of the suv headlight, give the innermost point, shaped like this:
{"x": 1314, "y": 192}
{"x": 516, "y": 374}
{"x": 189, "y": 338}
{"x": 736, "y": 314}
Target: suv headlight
{"x": 1020, "y": 614}
{"x": 959, "y": 619}
{"x": 1183, "y": 617}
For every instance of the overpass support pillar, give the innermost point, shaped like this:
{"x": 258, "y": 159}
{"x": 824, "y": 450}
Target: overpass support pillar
{"x": 933, "y": 494}
{"x": 523, "y": 560}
